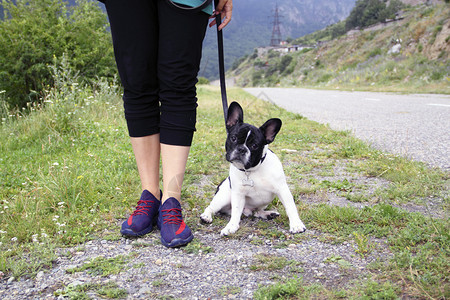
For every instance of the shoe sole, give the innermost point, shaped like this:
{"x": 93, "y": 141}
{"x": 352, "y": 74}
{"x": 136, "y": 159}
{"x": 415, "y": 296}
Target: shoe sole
{"x": 177, "y": 242}
{"x": 130, "y": 233}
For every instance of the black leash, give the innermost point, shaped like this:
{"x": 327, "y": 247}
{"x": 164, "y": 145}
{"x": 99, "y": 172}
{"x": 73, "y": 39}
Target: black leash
{"x": 223, "y": 89}
{"x": 219, "y": 46}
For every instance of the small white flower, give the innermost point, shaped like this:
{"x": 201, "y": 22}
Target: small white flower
{"x": 56, "y": 164}
{"x": 2, "y": 231}
{"x": 61, "y": 203}
{"x": 44, "y": 235}
{"x": 34, "y": 237}
{"x": 14, "y": 239}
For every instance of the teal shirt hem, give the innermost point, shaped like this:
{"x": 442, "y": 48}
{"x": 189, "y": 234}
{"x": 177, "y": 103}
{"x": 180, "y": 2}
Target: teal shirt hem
{"x": 194, "y": 3}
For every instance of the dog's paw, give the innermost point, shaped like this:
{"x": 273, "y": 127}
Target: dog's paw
{"x": 267, "y": 214}
{"x": 298, "y": 227}
{"x": 206, "y": 216}
{"x": 229, "y": 229}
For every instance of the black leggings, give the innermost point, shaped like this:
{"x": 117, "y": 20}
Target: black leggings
{"x": 158, "y": 50}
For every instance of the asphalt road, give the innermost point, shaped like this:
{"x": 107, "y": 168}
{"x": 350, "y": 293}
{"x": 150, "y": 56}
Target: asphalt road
{"x": 415, "y": 126}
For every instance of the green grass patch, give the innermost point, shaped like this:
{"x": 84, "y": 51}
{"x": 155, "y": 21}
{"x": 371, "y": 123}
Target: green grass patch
{"x": 293, "y": 288}
{"x": 101, "y": 266}
{"x": 108, "y": 290}
{"x": 271, "y": 263}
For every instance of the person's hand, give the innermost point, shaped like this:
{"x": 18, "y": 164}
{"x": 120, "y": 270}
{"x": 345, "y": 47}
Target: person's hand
{"x": 225, "y": 9}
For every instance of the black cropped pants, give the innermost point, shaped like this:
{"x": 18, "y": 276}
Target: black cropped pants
{"x": 158, "y": 50}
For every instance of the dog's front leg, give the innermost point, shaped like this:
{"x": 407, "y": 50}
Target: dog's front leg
{"x": 237, "y": 207}
{"x": 221, "y": 199}
{"x": 295, "y": 224}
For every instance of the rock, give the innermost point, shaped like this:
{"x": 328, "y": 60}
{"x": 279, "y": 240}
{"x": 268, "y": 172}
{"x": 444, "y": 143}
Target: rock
{"x": 40, "y": 275}
{"x": 395, "y": 49}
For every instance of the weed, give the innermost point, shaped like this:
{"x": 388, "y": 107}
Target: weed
{"x": 229, "y": 290}
{"x": 340, "y": 185}
{"x": 362, "y": 243}
{"x": 197, "y": 247}
{"x": 375, "y": 290}
{"x": 101, "y": 266}
{"x": 108, "y": 290}
{"x": 158, "y": 283}
{"x": 290, "y": 289}
{"x": 269, "y": 262}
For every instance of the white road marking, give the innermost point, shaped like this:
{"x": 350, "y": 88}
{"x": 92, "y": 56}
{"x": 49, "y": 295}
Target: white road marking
{"x": 437, "y": 104}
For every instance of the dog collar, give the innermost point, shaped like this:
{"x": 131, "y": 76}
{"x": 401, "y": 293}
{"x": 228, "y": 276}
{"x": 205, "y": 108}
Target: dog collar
{"x": 260, "y": 162}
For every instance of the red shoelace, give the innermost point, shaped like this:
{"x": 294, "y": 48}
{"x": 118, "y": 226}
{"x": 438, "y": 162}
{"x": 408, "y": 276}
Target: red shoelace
{"x": 142, "y": 207}
{"x": 172, "y": 216}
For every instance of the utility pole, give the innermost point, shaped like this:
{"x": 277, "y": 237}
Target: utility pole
{"x": 276, "y": 33}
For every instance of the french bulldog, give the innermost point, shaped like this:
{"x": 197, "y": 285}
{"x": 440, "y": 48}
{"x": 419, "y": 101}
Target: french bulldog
{"x": 256, "y": 175}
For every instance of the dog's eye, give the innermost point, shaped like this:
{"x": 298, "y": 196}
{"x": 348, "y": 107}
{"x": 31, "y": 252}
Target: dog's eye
{"x": 233, "y": 138}
{"x": 254, "y": 146}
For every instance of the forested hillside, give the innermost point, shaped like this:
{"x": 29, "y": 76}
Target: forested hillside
{"x": 409, "y": 53}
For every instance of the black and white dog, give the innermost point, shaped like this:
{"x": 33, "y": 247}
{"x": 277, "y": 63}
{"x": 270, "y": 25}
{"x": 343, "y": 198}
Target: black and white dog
{"x": 256, "y": 175}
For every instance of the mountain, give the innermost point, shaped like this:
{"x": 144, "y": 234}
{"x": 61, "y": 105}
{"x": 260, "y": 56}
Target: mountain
{"x": 409, "y": 54}
{"x": 252, "y": 25}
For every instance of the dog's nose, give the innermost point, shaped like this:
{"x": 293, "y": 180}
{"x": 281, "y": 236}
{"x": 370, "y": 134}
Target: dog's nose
{"x": 242, "y": 150}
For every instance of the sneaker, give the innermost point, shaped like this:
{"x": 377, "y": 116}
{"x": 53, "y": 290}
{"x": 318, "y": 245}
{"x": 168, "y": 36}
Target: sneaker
{"x": 143, "y": 218}
{"x": 174, "y": 232}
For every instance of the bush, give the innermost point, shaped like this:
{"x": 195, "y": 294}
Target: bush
{"x": 203, "y": 80}
{"x": 285, "y": 61}
{"x": 369, "y": 12}
{"x": 33, "y": 33}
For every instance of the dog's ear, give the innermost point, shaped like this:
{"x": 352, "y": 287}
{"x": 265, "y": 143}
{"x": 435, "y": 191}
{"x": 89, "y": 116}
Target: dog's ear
{"x": 235, "y": 115}
{"x": 270, "y": 129}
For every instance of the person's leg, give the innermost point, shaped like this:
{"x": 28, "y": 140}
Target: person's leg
{"x": 147, "y": 153}
{"x": 180, "y": 48}
{"x": 181, "y": 36}
{"x": 134, "y": 29}
{"x": 174, "y": 159}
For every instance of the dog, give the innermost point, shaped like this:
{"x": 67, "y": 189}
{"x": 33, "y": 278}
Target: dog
{"x": 256, "y": 175}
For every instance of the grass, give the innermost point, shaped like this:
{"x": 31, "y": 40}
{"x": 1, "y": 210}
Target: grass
{"x": 101, "y": 266}
{"x": 68, "y": 176}
{"x": 108, "y": 290}
{"x": 271, "y": 262}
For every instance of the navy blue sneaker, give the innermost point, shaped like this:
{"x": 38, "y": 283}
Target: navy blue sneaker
{"x": 143, "y": 218}
{"x": 174, "y": 232}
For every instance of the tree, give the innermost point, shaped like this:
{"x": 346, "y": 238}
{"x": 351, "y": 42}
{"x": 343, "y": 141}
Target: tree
{"x": 369, "y": 12}
{"x": 35, "y": 32}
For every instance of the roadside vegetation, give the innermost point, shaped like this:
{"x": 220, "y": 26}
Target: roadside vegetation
{"x": 409, "y": 55}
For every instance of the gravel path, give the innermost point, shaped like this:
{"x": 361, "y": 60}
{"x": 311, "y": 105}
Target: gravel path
{"x": 226, "y": 272}
{"x": 416, "y": 126}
